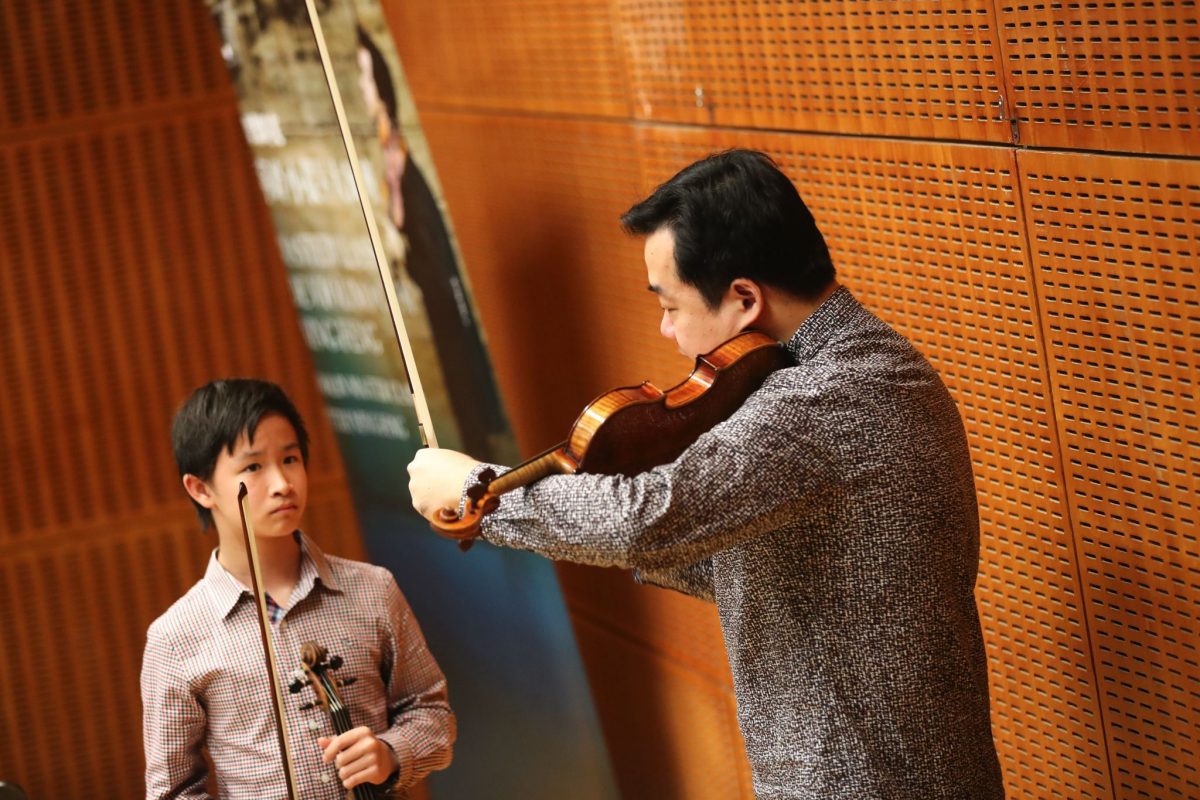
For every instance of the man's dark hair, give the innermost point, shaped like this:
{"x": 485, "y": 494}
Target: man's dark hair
{"x": 736, "y": 215}
{"x": 382, "y": 76}
{"x": 216, "y": 415}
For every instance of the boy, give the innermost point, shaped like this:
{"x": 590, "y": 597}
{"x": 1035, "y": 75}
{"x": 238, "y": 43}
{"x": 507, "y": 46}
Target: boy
{"x": 203, "y": 676}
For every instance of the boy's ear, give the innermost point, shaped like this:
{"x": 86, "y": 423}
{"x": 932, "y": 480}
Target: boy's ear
{"x": 198, "y": 490}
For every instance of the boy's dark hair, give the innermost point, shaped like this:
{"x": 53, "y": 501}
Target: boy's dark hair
{"x": 382, "y": 76}
{"x": 216, "y": 415}
{"x": 736, "y": 215}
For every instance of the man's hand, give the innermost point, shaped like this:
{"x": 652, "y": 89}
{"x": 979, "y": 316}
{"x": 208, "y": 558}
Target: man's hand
{"x": 436, "y": 478}
{"x": 360, "y": 757}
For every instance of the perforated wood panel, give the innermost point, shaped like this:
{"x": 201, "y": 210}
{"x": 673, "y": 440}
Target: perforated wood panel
{"x": 674, "y": 625}
{"x": 864, "y": 66}
{"x": 534, "y": 55}
{"x": 1105, "y": 75}
{"x": 930, "y": 237}
{"x": 696, "y": 751}
{"x": 536, "y": 204}
{"x": 136, "y": 262}
{"x": 1122, "y": 318}
{"x": 63, "y": 60}
{"x": 160, "y": 261}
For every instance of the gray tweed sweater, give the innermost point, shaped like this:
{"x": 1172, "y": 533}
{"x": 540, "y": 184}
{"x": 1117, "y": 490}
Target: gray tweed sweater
{"x": 833, "y": 521}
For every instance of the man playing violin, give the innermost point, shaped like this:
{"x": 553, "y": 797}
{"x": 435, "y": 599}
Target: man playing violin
{"x": 204, "y": 683}
{"x": 832, "y": 518}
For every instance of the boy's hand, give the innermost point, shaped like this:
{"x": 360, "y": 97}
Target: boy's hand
{"x": 436, "y": 478}
{"x": 360, "y": 757}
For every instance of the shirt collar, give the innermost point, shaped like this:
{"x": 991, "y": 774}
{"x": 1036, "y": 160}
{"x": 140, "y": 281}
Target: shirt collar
{"x": 822, "y": 323}
{"x": 227, "y": 590}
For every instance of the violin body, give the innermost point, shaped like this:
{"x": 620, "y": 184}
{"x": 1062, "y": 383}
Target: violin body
{"x": 633, "y": 429}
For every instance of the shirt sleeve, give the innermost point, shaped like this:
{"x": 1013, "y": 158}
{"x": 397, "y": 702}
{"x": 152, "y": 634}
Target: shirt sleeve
{"x": 694, "y": 579}
{"x": 173, "y": 725}
{"x": 744, "y": 478}
{"x": 422, "y": 728}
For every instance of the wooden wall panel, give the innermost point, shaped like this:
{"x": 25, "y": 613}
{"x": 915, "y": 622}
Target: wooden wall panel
{"x": 888, "y": 67}
{"x": 561, "y": 291}
{"x": 137, "y": 261}
{"x": 1105, "y": 76}
{"x": 66, "y": 60}
{"x": 697, "y": 752}
{"x": 1122, "y": 319}
{"x": 558, "y": 56}
{"x": 151, "y": 210}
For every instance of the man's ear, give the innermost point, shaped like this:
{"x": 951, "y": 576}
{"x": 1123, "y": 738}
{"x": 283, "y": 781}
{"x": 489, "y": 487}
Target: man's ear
{"x": 749, "y": 298}
{"x": 199, "y": 491}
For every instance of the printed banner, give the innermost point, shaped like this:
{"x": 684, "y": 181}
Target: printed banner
{"x": 495, "y": 620}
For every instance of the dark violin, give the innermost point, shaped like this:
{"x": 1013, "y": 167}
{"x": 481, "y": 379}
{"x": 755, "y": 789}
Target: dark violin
{"x": 633, "y": 429}
{"x": 318, "y": 669}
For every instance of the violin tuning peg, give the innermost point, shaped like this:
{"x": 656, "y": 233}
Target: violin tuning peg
{"x": 307, "y": 706}
{"x": 335, "y": 662}
{"x": 348, "y": 681}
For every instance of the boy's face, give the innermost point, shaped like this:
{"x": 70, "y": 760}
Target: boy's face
{"x": 276, "y": 481}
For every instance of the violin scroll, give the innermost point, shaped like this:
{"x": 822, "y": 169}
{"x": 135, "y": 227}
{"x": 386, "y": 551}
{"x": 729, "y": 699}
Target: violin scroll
{"x": 464, "y": 528}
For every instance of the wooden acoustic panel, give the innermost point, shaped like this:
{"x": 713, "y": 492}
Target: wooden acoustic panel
{"x": 557, "y": 56}
{"x": 678, "y": 734}
{"x": 1105, "y": 75}
{"x": 930, "y": 237}
{"x": 888, "y": 67}
{"x": 672, "y": 624}
{"x": 1116, "y": 246}
{"x": 142, "y": 264}
{"x": 561, "y": 291}
{"x": 64, "y": 60}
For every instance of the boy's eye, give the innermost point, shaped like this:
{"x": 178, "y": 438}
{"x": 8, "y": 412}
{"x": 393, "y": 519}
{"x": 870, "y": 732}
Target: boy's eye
{"x": 251, "y": 468}
{"x": 291, "y": 459}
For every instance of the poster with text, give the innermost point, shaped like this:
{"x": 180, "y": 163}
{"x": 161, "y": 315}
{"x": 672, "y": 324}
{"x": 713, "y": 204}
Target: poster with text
{"x": 495, "y": 620}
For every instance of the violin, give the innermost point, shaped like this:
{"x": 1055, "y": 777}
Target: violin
{"x": 632, "y": 429}
{"x": 318, "y": 668}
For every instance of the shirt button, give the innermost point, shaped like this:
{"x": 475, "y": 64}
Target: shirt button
{"x": 325, "y": 777}
{"x": 313, "y": 725}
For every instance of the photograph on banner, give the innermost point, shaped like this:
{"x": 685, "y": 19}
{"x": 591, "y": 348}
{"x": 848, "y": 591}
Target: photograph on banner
{"x": 301, "y": 161}
{"x": 494, "y": 618}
